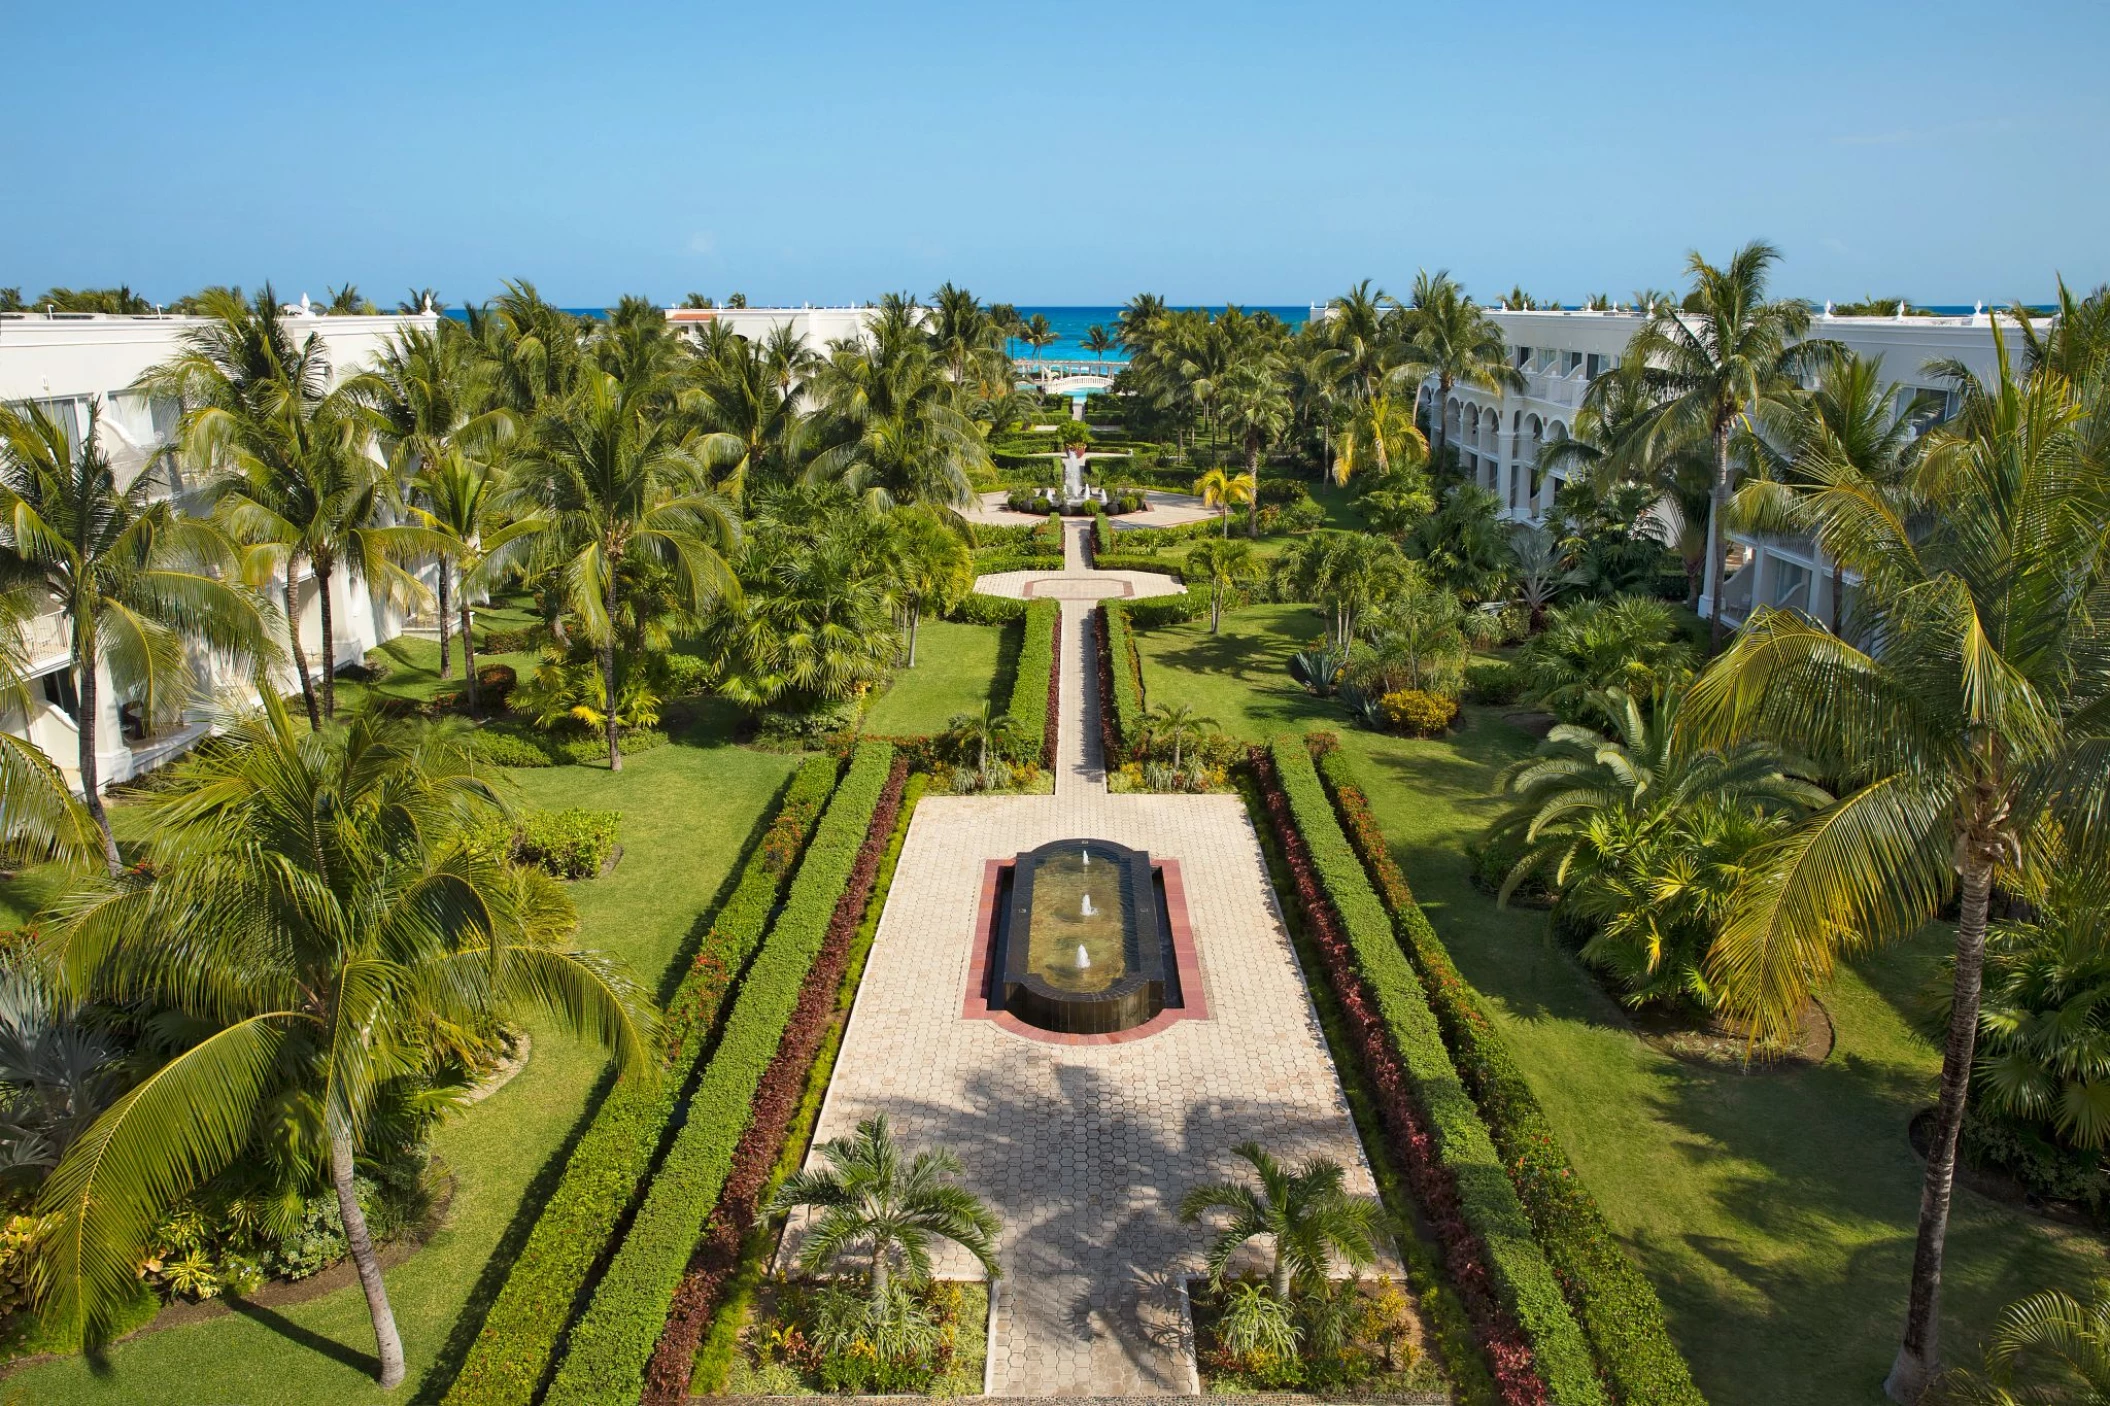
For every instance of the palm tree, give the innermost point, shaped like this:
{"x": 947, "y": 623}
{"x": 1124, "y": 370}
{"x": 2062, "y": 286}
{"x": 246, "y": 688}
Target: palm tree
{"x": 1379, "y": 429}
{"x": 1724, "y": 358}
{"x": 1845, "y": 438}
{"x": 1451, "y": 338}
{"x": 1629, "y": 642}
{"x": 320, "y": 903}
{"x": 426, "y": 386}
{"x": 991, "y": 730}
{"x": 1348, "y": 574}
{"x": 1305, "y": 1212}
{"x": 1137, "y": 326}
{"x": 1227, "y": 565}
{"x": 866, "y": 1197}
{"x": 1098, "y": 341}
{"x": 620, "y": 490}
{"x": 1253, "y": 400}
{"x": 929, "y": 564}
{"x": 1178, "y": 724}
{"x": 1219, "y": 490}
{"x": 749, "y": 400}
{"x": 2049, "y": 1347}
{"x": 135, "y": 581}
{"x": 39, "y": 817}
{"x": 458, "y": 500}
{"x": 890, "y": 425}
{"x": 291, "y": 477}
{"x": 1037, "y": 333}
{"x": 1966, "y": 746}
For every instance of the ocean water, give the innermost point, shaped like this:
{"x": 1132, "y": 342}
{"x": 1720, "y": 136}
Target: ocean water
{"x": 1071, "y": 325}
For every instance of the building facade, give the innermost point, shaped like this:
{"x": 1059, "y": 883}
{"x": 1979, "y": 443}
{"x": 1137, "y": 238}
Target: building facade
{"x": 1499, "y": 435}
{"x": 68, "y": 362}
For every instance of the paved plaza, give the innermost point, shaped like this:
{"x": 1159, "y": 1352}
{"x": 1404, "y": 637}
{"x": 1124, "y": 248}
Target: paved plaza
{"x": 1084, "y": 1151}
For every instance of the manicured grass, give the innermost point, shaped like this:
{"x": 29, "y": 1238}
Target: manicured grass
{"x": 956, "y": 672}
{"x": 688, "y": 810}
{"x": 1774, "y": 1212}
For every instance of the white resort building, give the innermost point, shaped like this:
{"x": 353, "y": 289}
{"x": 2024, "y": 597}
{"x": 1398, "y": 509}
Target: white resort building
{"x": 65, "y": 362}
{"x": 1559, "y": 352}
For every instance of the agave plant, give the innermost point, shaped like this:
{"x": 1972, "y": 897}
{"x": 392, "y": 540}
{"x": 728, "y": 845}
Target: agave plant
{"x": 1319, "y": 670}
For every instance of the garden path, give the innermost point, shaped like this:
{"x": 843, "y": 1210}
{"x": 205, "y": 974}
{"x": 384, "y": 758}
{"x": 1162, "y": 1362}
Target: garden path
{"x": 1084, "y": 1149}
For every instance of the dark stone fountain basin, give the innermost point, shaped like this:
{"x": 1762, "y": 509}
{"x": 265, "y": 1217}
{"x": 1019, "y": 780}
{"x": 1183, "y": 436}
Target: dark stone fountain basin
{"x": 1082, "y": 949}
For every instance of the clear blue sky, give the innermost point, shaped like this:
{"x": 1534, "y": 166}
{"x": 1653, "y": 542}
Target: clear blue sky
{"x": 1065, "y": 153}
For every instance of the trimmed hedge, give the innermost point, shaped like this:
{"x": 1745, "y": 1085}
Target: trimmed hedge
{"x": 990, "y": 563}
{"x": 1491, "y": 1232}
{"x": 571, "y": 844}
{"x": 1615, "y": 1303}
{"x": 613, "y": 1340}
{"x": 506, "y": 1363}
{"x": 1123, "y": 682}
{"x": 1156, "y": 612}
{"x": 1028, "y": 704}
{"x": 978, "y": 609}
{"x": 777, "y": 1104}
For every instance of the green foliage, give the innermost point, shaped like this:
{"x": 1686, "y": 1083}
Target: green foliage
{"x": 1495, "y": 682}
{"x": 613, "y": 1339}
{"x": 508, "y": 747}
{"x": 1028, "y": 704}
{"x": 989, "y": 562}
{"x": 571, "y": 844}
{"x": 1629, "y": 642}
{"x": 1523, "y": 1280}
{"x": 1153, "y": 612}
{"x": 1613, "y": 1301}
{"x": 1415, "y": 712}
{"x": 1124, "y": 680}
{"x": 978, "y": 609}
{"x": 614, "y": 1157}
{"x": 588, "y": 750}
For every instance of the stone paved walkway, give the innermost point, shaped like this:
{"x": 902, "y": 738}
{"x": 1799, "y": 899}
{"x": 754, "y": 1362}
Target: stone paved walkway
{"x": 1084, "y": 1151}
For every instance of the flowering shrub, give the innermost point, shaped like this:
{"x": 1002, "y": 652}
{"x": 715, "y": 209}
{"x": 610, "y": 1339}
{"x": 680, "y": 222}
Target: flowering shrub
{"x": 1417, "y": 712}
{"x": 1614, "y": 1302}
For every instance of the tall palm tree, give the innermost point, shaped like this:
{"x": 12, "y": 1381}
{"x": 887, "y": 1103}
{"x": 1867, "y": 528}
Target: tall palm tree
{"x": 1348, "y": 574}
{"x": 290, "y": 475}
{"x": 319, "y": 904}
{"x": 1845, "y": 437}
{"x": 1136, "y": 326}
{"x": 867, "y": 1197}
{"x": 1305, "y": 1212}
{"x": 1380, "y": 431}
{"x": 1452, "y": 338}
{"x": 609, "y": 472}
{"x": 890, "y": 427}
{"x": 991, "y": 730}
{"x": 136, "y": 582}
{"x": 929, "y": 565}
{"x": 457, "y": 499}
{"x": 749, "y": 398}
{"x": 1715, "y": 364}
{"x": 427, "y": 385}
{"x": 1227, "y": 565}
{"x": 1220, "y": 490}
{"x": 1974, "y": 739}
{"x": 1038, "y": 334}
{"x": 39, "y": 817}
{"x": 1098, "y": 341}
{"x": 1254, "y": 401}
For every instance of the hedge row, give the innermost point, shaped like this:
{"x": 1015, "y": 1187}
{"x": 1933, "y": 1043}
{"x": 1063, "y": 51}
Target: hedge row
{"x": 989, "y": 563}
{"x": 1465, "y": 1192}
{"x": 614, "y": 1338}
{"x": 978, "y": 609}
{"x": 612, "y": 1161}
{"x": 1156, "y": 612}
{"x": 776, "y": 1102}
{"x": 1034, "y": 683}
{"x": 1122, "y": 673}
{"x": 1616, "y": 1305}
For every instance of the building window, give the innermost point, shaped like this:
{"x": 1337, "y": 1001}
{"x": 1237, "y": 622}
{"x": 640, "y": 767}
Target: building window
{"x": 60, "y": 693}
{"x": 1523, "y": 357}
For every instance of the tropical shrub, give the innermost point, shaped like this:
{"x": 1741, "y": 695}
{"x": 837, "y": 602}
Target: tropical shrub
{"x": 495, "y": 684}
{"x": 1629, "y": 642}
{"x": 1517, "y": 1306}
{"x": 613, "y": 1340}
{"x": 571, "y": 844}
{"x": 588, "y": 750}
{"x": 1415, "y": 712}
{"x": 1156, "y": 612}
{"x": 505, "y": 747}
{"x": 613, "y": 1159}
{"x": 1613, "y": 1301}
{"x": 1494, "y": 683}
{"x": 527, "y": 639}
{"x": 978, "y": 609}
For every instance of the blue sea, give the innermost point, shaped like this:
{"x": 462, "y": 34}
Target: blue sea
{"x": 1071, "y": 325}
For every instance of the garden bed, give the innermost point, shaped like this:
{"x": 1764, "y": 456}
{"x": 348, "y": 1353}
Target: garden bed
{"x": 1720, "y": 1044}
{"x": 1385, "y": 1354}
{"x": 775, "y": 1355}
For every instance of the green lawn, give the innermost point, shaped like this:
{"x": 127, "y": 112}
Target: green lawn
{"x": 1774, "y": 1212}
{"x": 688, "y": 811}
{"x": 958, "y": 669}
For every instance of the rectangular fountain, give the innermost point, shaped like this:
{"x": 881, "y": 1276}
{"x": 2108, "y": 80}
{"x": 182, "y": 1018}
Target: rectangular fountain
{"x": 1083, "y": 951}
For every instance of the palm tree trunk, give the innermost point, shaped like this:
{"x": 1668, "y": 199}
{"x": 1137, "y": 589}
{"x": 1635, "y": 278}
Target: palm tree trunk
{"x": 1919, "y": 1355}
{"x": 1717, "y": 505}
{"x": 444, "y": 621}
{"x": 387, "y": 1341}
{"x": 1437, "y": 421}
{"x": 469, "y": 659}
{"x": 1223, "y": 518}
{"x": 1216, "y": 609}
{"x": 1252, "y": 467}
{"x": 615, "y": 745}
{"x": 329, "y": 642}
{"x": 879, "y": 1271}
{"x": 1838, "y": 585}
{"x": 1280, "y": 1277}
{"x": 300, "y": 654}
{"x": 915, "y": 617}
{"x": 91, "y": 788}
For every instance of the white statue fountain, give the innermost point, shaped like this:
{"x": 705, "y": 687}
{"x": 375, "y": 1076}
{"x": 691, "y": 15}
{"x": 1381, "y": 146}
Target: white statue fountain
{"x": 1072, "y": 476}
